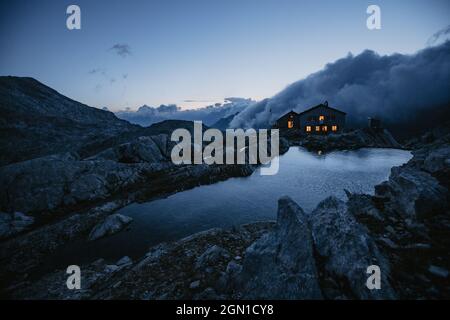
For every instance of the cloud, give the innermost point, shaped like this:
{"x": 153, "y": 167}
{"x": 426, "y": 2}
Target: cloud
{"x": 122, "y": 50}
{"x": 396, "y": 88}
{"x": 443, "y": 33}
{"x": 97, "y": 71}
{"x": 167, "y": 108}
{"x": 146, "y": 115}
{"x": 98, "y": 88}
{"x": 93, "y": 71}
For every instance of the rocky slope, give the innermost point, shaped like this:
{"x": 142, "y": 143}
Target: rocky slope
{"x": 37, "y": 121}
{"x": 80, "y": 164}
{"x": 403, "y": 229}
{"x": 50, "y": 201}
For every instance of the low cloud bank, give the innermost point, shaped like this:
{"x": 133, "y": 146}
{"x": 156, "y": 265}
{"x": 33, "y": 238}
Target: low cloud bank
{"x": 146, "y": 115}
{"x": 399, "y": 89}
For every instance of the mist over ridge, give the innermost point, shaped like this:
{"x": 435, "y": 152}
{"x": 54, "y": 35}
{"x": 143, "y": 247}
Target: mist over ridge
{"x": 398, "y": 88}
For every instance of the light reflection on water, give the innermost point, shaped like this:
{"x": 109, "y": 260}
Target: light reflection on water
{"x": 306, "y": 177}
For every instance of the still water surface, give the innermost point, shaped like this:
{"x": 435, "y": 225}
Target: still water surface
{"x": 306, "y": 177}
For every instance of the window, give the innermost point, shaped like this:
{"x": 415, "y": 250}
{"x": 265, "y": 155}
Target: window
{"x": 308, "y": 128}
{"x": 324, "y": 128}
{"x": 333, "y": 128}
{"x": 290, "y": 124}
{"x": 317, "y": 128}
{"x": 321, "y": 118}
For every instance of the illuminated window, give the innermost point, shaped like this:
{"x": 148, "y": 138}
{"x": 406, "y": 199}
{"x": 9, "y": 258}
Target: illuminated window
{"x": 324, "y": 128}
{"x": 321, "y": 118}
{"x": 317, "y": 128}
{"x": 308, "y": 128}
{"x": 290, "y": 124}
{"x": 333, "y": 128}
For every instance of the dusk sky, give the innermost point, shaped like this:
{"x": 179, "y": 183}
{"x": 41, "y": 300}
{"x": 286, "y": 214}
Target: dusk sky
{"x": 196, "y": 52}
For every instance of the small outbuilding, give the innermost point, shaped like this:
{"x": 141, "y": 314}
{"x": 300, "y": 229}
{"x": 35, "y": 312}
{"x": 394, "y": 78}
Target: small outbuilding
{"x": 289, "y": 121}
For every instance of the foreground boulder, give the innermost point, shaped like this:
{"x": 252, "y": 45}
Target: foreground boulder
{"x": 347, "y": 251}
{"x": 416, "y": 193}
{"x": 281, "y": 264}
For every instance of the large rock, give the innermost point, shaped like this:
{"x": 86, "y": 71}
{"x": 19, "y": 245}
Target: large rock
{"x": 112, "y": 224}
{"x": 142, "y": 149}
{"x": 281, "y": 264}
{"x": 164, "y": 143}
{"x": 48, "y": 183}
{"x": 413, "y": 193}
{"x": 348, "y": 250}
{"x": 438, "y": 159}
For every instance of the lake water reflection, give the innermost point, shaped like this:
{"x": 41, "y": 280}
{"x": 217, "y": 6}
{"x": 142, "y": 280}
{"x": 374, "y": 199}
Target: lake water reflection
{"x": 306, "y": 177}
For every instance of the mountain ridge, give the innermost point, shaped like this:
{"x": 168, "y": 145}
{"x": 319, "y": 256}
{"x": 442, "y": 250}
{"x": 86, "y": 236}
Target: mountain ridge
{"x": 37, "y": 120}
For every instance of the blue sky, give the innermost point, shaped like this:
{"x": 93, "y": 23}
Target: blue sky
{"x": 194, "y": 52}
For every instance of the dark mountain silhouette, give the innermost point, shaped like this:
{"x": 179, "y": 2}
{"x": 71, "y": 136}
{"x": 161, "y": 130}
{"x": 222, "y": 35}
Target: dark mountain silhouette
{"x": 37, "y": 120}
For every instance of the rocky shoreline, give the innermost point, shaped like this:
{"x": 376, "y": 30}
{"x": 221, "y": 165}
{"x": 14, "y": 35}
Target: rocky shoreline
{"x": 68, "y": 198}
{"x": 403, "y": 228}
{"x": 350, "y": 140}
